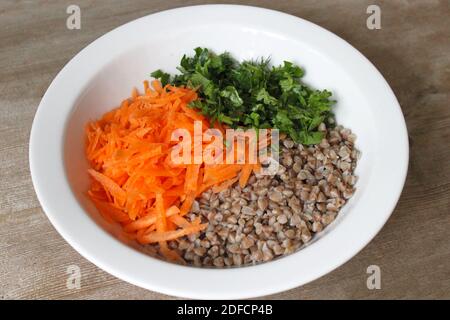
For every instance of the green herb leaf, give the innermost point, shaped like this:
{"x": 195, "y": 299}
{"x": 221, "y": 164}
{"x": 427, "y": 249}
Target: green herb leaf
{"x": 162, "y": 76}
{"x": 232, "y": 95}
{"x": 254, "y": 94}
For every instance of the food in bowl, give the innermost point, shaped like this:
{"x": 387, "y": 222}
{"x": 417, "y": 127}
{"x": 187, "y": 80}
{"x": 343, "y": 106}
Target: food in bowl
{"x": 220, "y": 213}
{"x": 103, "y": 73}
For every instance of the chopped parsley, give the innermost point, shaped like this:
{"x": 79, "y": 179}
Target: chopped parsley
{"x": 253, "y": 94}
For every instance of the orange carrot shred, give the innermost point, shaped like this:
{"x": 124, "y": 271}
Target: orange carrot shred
{"x": 172, "y": 235}
{"x": 110, "y": 186}
{"x": 245, "y": 174}
{"x": 224, "y": 185}
{"x": 136, "y": 183}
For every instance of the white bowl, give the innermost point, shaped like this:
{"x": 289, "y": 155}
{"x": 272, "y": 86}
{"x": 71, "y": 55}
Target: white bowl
{"x": 105, "y": 72}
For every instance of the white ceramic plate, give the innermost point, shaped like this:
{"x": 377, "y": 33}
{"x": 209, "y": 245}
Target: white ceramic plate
{"x": 104, "y": 73}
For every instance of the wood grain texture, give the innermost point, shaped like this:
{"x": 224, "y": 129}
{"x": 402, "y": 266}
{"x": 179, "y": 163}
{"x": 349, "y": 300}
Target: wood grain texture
{"x": 412, "y": 50}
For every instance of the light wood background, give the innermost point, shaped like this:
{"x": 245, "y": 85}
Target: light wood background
{"x": 412, "y": 50}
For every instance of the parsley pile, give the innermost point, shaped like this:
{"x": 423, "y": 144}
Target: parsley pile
{"x": 253, "y": 94}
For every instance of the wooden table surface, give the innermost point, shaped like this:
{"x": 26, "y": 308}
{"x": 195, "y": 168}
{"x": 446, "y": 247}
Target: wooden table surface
{"x": 412, "y": 50}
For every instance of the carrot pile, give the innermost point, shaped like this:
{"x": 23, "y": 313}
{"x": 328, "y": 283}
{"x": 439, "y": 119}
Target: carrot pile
{"x": 135, "y": 182}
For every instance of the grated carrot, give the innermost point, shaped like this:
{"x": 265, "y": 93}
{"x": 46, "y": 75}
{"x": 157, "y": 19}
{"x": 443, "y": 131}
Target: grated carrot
{"x": 134, "y": 178}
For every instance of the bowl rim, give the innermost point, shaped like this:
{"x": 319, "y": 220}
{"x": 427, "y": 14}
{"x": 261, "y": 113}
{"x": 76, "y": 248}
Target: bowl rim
{"x": 233, "y": 283}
